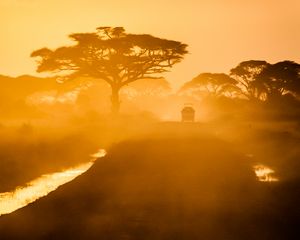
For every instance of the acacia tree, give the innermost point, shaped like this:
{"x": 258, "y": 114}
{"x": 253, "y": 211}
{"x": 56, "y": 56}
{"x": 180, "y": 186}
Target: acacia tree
{"x": 214, "y": 84}
{"x": 246, "y": 74}
{"x": 279, "y": 79}
{"x": 112, "y": 55}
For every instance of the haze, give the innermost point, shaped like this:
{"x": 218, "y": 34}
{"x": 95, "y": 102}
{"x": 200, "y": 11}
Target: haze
{"x": 152, "y": 120}
{"x": 220, "y": 33}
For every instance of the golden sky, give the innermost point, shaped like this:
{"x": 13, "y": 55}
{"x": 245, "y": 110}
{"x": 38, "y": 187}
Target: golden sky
{"x": 220, "y": 33}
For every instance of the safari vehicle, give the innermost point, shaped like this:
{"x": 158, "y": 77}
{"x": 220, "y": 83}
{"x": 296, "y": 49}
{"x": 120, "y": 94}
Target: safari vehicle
{"x": 188, "y": 113}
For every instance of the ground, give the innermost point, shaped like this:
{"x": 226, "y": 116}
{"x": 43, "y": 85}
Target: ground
{"x": 173, "y": 181}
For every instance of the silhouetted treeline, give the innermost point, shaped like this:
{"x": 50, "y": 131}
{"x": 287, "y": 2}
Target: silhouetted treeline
{"x": 253, "y": 80}
{"x": 253, "y": 89}
{"x": 30, "y": 98}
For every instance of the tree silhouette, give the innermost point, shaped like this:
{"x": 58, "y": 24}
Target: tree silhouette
{"x": 214, "y": 84}
{"x": 246, "y": 74}
{"x": 114, "y": 56}
{"x": 279, "y": 79}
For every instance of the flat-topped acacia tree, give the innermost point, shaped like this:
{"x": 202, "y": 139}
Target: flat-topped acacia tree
{"x": 112, "y": 55}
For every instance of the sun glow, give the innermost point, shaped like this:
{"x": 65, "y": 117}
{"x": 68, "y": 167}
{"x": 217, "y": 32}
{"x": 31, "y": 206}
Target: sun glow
{"x": 42, "y": 186}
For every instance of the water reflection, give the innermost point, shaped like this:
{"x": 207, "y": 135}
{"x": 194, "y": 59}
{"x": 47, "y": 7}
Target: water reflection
{"x": 264, "y": 173}
{"x": 22, "y": 196}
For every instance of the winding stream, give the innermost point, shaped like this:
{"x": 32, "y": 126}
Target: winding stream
{"x": 42, "y": 186}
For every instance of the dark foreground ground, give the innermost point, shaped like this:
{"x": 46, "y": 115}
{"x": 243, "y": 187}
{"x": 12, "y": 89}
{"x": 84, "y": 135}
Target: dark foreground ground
{"x": 171, "y": 187}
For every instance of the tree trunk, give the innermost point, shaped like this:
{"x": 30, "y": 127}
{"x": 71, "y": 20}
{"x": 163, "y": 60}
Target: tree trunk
{"x": 115, "y": 100}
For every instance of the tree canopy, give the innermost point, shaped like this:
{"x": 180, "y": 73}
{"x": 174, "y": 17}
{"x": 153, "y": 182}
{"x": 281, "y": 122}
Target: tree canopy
{"x": 112, "y": 55}
{"x": 279, "y": 79}
{"x": 253, "y": 80}
{"x": 246, "y": 74}
{"x": 214, "y": 84}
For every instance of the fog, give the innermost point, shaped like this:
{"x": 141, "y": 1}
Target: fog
{"x": 230, "y": 173}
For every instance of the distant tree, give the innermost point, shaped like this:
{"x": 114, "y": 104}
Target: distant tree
{"x": 280, "y": 79}
{"x": 213, "y": 84}
{"x": 246, "y": 74}
{"x": 149, "y": 87}
{"x": 112, "y": 55}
